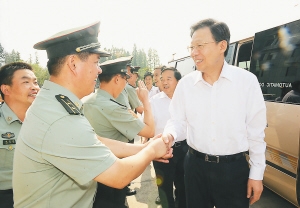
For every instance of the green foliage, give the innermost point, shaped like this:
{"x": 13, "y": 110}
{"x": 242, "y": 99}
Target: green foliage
{"x": 115, "y": 53}
{"x": 153, "y": 58}
{"x": 142, "y": 72}
{"x": 41, "y": 73}
{"x": 140, "y": 58}
{"x": 12, "y": 57}
{"x": 2, "y": 55}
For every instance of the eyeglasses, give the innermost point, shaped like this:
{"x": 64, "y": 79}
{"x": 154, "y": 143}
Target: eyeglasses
{"x": 197, "y": 47}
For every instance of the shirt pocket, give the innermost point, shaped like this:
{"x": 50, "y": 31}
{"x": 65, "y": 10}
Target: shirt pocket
{"x": 6, "y": 155}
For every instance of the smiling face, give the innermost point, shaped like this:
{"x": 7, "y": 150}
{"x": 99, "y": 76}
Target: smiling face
{"x": 169, "y": 82}
{"x": 207, "y": 53}
{"x": 148, "y": 82}
{"x": 23, "y": 88}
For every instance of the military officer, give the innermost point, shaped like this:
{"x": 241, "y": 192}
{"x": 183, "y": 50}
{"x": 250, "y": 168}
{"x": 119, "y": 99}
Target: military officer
{"x": 130, "y": 88}
{"x": 59, "y": 157}
{"x": 19, "y": 87}
{"x": 133, "y": 99}
{"x": 113, "y": 120}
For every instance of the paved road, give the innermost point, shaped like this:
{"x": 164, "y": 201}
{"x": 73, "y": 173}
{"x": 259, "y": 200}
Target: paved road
{"x": 147, "y": 192}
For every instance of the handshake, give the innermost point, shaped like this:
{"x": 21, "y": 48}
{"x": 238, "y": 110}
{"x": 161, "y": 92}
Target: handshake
{"x": 162, "y": 146}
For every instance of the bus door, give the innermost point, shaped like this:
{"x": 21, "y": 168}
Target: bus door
{"x": 275, "y": 60}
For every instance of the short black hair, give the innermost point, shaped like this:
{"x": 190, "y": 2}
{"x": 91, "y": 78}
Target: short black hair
{"x": 219, "y": 30}
{"x": 7, "y": 72}
{"x": 148, "y": 74}
{"x": 54, "y": 64}
{"x": 177, "y": 73}
{"x": 107, "y": 77}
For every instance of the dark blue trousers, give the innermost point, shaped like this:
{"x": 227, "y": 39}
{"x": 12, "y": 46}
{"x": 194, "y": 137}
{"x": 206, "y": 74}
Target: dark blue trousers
{"x": 107, "y": 197}
{"x": 6, "y": 198}
{"x": 209, "y": 184}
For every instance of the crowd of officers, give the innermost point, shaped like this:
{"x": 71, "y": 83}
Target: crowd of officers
{"x": 65, "y": 153}
{"x": 112, "y": 112}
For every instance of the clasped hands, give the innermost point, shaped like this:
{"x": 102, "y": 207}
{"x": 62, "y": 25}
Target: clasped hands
{"x": 163, "y": 147}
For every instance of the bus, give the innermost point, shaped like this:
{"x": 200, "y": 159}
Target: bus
{"x": 273, "y": 55}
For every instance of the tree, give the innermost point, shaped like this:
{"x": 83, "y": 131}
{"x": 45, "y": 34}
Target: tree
{"x": 135, "y": 60}
{"x": 14, "y": 56}
{"x": 115, "y": 53}
{"x": 2, "y": 55}
{"x": 153, "y": 58}
{"x": 36, "y": 58}
{"x": 41, "y": 73}
{"x": 30, "y": 59}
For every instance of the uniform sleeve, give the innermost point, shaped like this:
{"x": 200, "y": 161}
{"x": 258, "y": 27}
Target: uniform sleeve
{"x": 256, "y": 123}
{"x": 176, "y": 125}
{"x": 125, "y": 122}
{"x": 72, "y": 146}
{"x": 133, "y": 98}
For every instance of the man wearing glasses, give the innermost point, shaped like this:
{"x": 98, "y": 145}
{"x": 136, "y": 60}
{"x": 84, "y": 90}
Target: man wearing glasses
{"x": 223, "y": 110}
{"x": 114, "y": 120}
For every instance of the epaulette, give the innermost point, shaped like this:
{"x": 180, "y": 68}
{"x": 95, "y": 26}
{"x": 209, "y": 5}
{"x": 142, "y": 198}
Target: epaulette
{"x": 118, "y": 103}
{"x": 68, "y": 104}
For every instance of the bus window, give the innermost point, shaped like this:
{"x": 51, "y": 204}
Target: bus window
{"x": 231, "y": 53}
{"x": 276, "y": 61}
{"x": 244, "y": 54}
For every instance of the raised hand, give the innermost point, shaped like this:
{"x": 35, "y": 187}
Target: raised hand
{"x": 142, "y": 92}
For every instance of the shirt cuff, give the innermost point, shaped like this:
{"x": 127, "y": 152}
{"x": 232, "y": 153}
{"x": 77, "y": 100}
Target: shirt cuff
{"x": 256, "y": 173}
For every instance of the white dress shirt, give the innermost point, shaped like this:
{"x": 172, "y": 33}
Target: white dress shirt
{"x": 153, "y": 91}
{"x": 160, "y": 109}
{"x": 225, "y": 118}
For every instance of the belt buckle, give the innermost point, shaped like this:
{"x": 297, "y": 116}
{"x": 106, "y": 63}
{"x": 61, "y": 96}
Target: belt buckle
{"x": 207, "y": 159}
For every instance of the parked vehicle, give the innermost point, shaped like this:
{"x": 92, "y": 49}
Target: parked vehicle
{"x": 273, "y": 55}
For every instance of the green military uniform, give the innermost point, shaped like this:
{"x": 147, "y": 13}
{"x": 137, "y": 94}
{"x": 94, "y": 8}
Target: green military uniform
{"x": 111, "y": 119}
{"x": 58, "y": 152}
{"x": 132, "y": 97}
{"x": 10, "y": 126}
{"x": 123, "y": 99}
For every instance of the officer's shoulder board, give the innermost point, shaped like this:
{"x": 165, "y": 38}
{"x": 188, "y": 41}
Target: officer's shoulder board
{"x": 124, "y": 106}
{"x": 68, "y": 104}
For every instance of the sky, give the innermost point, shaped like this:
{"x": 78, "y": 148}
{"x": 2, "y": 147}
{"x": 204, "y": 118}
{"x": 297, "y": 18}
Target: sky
{"x": 163, "y": 25}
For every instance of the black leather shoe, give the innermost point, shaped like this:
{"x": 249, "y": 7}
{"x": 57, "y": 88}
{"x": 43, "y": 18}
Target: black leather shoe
{"x": 157, "y": 200}
{"x": 130, "y": 192}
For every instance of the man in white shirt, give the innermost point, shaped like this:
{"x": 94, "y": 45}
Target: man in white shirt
{"x": 148, "y": 79}
{"x": 156, "y": 77}
{"x": 223, "y": 111}
{"x": 172, "y": 172}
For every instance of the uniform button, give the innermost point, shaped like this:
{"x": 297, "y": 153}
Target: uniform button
{"x": 9, "y": 118}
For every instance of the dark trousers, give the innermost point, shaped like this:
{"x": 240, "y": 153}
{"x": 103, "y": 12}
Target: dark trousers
{"x": 169, "y": 173}
{"x": 209, "y": 184}
{"x": 6, "y": 198}
{"x": 107, "y": 197}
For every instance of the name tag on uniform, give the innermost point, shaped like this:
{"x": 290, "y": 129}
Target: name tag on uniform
{"x": 8, "y": 142}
